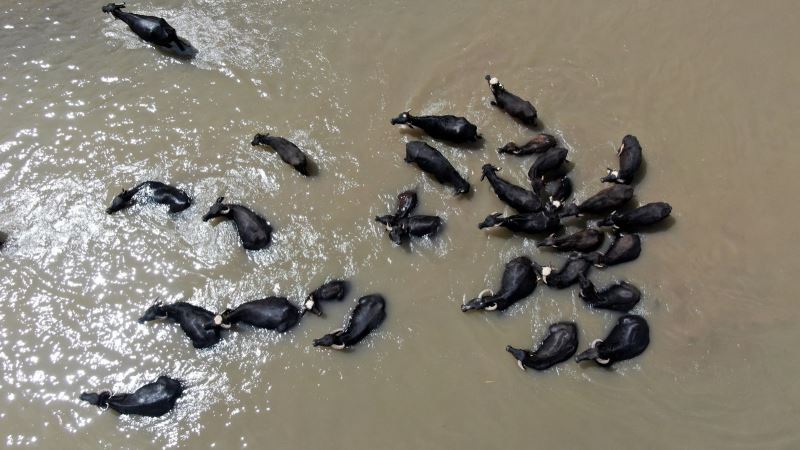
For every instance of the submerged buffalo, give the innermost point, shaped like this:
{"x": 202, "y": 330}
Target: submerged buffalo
{"x": 628, "y": 339}
{"x": 414, "y": 226}
{"x": 626, "y": 247}
{"x": 430, "y": 160}
{"x": 154, "y": 30}
{"x": 558, "y": 192}
{"x": 271, "y": 313}
{"x": 646, "y": 215}
{"x": 369, "y": 314}
{"x": 605, "y": 201}
{"x": 585, "y": 240}
{"x": 516, "y": 107}
{"x": 402, "y": 226}
{"x": 449, "y": 128}
{"x": 568, "y": 275}
{"x": 529, "y": 223}
{"x": 334, "y": 290}
{"x": 538, "y": 144}
{"x": 406, "y": 204}
{"x": 514, "y": 196}
{"x": 287, "y": 150}
{"x": 151, "y": 191}
{"x": 558, "y": 346}
{"x": 153, "y": 399}
{"x": 519, "y": 281}
{"x": 191, "y": 318}
{"x": 254, "y": 231}
{"x": 621, "y": 296}
{"x": 630, "y": 159}
{"x": 547, "y": 162}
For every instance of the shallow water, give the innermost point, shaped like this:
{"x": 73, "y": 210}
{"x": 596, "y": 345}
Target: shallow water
{"x": 88, "y": 109}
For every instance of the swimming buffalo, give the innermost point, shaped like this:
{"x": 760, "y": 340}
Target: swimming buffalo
{"x": 621, "y": 296}
{"x": 153, "y": 399}
{"x": 514, "y": 196}
{"x": 153, "y": 191}
{"x": 602, "y": 202}
{"x": 271, "y": 313}
{"x": 584, "y": 240}
{"x": 547, "y": 162}
{"x": 254, "y": 231}
{"x": 567, "y": 275}
{"x": 516, "y": 107}
{"x": 287, "y": 150}
{"x": 538, "y": 144}
{"x": 558, "y": 192}
{"x": 530, "y": 223}
{"x": 626, "y": 247}
{"x": 154, "y": 30}
{"x": 519, "y": 281}
{"x": 450, "y": 128}
{"x": 190, "y": 317}
{"x": 642, "y": 216}
{"x": 430, "y": 160}
{"x": 628, "y": 339}
{"x": 630, "y": 158}
{"x": 559, "y": 345}
{"x": 334, "y": 290}
{"x": 369, "y": 314}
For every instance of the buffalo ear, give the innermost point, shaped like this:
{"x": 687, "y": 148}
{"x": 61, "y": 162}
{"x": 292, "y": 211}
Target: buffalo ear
{"x": 219, "y": 200}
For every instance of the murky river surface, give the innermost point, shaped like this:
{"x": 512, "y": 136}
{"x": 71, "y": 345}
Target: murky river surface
{"x": 711, "y": 90}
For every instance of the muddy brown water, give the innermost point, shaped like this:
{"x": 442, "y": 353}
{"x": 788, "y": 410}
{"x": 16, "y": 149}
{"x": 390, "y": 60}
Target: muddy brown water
{"x": 710, "y": 89}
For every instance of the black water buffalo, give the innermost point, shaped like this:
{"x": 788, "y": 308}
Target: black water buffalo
{"x": 152, "y": 191}
{"x": 582, "y": 241}
{"x": 271, "y": 313}
{"x": 449, "y": 128}
{"x": 538, "y": 144}
{"x": 514, "y": 196}
{"x": 604, "y": 201}
{"x": 530, "y": 223}
{"x": 369, "y": 314}
{"x": 519, "y": 281}
{"x": 516, "y": 107}
{"x": 153, "y": 399}
{"x": 289, "y": 153}
{"x": 559, "y": 193}
{"x": 334, "y": 290}
{"x": 630, "y": 158}
{"x": 254, "y": 231}
{"x": 567, "y": 275}
{"x": 626, "y": 247}
{"x": 558, "y": 346}
{"x": 414, "y": 226}
{"x": 430, "y": 160}
{"x": 642, "y": 216}
{"x": 402, "y": 226}
{"x": 547, "y": 162}
{"x": 621, "y": 296}
{"x": 406, "y": 203}
{"x": 154, "y": 30}
{"x": 628, "y": 339}
{"x": 190, "y": 317}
